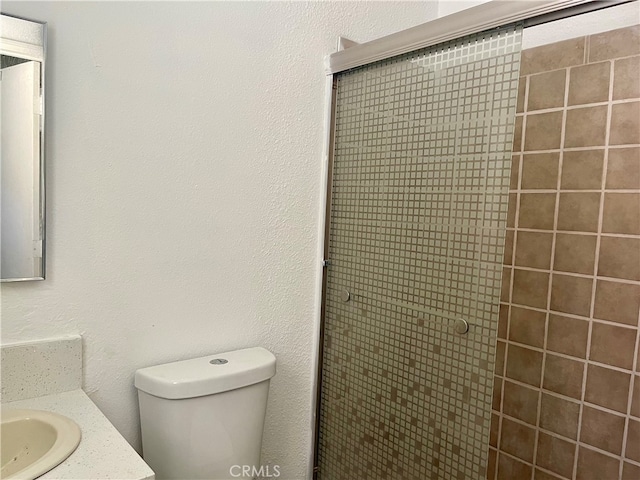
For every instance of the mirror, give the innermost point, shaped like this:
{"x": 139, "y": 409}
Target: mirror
{"x": 22, "y": 55}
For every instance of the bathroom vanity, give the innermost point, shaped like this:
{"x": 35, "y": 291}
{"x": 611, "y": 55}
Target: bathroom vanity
{"x": 47, "y": 375}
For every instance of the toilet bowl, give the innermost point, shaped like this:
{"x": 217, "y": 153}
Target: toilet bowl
{"x": 203, "y": 418}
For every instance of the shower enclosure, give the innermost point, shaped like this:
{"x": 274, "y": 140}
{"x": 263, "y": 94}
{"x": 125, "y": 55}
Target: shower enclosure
{"x": 444, "y": 354}
{"x": 418, "y": 217}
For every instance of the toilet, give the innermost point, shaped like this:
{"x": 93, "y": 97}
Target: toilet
{"x": 203, "y": 418}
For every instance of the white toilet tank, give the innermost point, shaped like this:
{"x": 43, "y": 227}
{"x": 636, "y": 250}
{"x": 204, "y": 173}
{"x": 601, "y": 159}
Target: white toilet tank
{"x": 203, "y": 418}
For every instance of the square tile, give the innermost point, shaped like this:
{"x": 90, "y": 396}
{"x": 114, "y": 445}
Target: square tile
{"x": 505, "y": 288}
{"x": 517, "y": 134}
{"x": 555, "y": 454}
{"x": 621, "y": 42}
{"x": 500, "y": 357}
{"x": 520, "y": 402}
{"x": 625, "y": 124}
{"x": 493, "y": 431}
{"x": 635, "y": 398}
{"x": 607, "y": 388}
{"x": 530, "y": 288}
{"x": 579, "y": 212}
{"x": 508, "y": 248}
{"x": 524, "y": 365}
{"x": 553, "y": 56}
{"x": 510, "y": 469}
{"x": 630, "y": 471}
{"x": 537, "y": 210}
{"x": 582, "y": 170}
{"x": 567, "y": 335}
{"x": 602, "y": 430}
{"x": 517, "y": 440}
{"x": 617, "y": 302}
{"x": 496, "y": 398}
{"x": 563, "y": 376}
{"x": 589, "y": 83}
{"x": 512, "y": 209}
{"x": 546, "y": 90}
{"x": 540, "y": 475}
{"x": 594, "y": 465}
{"x": 543, "y": 131}
{"x": 586, "y": 127}
{"x": 575, "y": 253}
{"x": 492, "y": 464}
{"x": 571, "y": 294}
{"x": 533, "y": 249}
{"x": 522, "y": 92}
{"x": 621, "y": 213}
{"x": 515, "y": 172}
{"x": 623, "y": 170}
{"x": 633, "y": 441}
{"x": 612, "y": 345}
{"x": 626, "y": 75}
{"x": 503, "y": 320}
{"x": 527, "y": 326}
{"x": 559, "y": 416}
{"x": 540, "y": 170}
{"x": 619, "y": 258}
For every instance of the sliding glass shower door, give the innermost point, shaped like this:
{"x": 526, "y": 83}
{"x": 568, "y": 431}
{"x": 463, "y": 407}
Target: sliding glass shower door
{"x": 418, "y": 210}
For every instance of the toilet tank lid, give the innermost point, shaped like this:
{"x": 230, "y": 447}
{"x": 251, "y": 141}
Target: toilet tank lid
{"x": 207, "y": 375}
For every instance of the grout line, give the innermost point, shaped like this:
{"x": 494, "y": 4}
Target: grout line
{"x": 574, "y": 274}
{"x": 571, "y": 232}
{"x": 605, "y": 168}
{"x": 631, "y": 461}
{"x": 533, "y": 74}
{"x": 587, "y": 48}
{"x": 578, "y": 106}
{"x": 586, "y": 445}
{"x": 552, "y": 262}
{"x": 574, "y": 316}
{"x": 597, "y": 258}
{"x": 580, "y": 149}
{"x": 570, "y": 357}
{"x": 564, "y": 190}
{"x": 561, "y": 396}
{"x": 513, "y": 254}
{"x": 568, "y": 440}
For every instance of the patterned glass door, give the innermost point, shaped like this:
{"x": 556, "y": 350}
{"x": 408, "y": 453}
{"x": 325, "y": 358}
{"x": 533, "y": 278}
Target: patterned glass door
{"x": 421, "y": 166}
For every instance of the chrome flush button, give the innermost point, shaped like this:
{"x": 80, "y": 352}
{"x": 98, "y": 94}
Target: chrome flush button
{"x": 219, "y": 361}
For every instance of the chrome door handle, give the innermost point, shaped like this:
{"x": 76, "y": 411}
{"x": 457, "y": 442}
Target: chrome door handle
{"x": 461, "y": 326}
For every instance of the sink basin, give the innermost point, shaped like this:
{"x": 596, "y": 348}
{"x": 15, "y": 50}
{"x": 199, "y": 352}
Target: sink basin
{"x": 35, "y": 441}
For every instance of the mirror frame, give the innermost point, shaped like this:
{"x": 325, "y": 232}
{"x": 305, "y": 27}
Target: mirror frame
{"x": 23, "y": 38}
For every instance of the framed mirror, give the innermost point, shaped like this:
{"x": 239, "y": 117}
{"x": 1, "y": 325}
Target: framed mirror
{"x": 22, "y": 212}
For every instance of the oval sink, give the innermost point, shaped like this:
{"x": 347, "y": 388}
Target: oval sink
{"x": 35, "y": 441}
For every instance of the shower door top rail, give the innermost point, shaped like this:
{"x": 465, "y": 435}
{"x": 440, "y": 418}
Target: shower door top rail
{"x": 472, "y": 20}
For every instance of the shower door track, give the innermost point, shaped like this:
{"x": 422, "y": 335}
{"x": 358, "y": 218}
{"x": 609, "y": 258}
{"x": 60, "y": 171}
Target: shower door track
{"x": 473, "y": 20}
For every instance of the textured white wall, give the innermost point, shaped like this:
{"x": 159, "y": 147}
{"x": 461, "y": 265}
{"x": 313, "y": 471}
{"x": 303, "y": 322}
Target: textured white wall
{"x": 447, "y": 7}
{"x": 184, "y": 176}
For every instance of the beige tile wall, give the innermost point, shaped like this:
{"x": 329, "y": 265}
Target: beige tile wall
{"x": 567, "y": 385}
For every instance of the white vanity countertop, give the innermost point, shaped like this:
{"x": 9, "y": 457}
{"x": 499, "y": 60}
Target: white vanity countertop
{"x": 102, "y": 454}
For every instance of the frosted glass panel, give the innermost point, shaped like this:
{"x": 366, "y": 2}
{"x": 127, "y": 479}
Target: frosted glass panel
{"x": 418, "y": 217}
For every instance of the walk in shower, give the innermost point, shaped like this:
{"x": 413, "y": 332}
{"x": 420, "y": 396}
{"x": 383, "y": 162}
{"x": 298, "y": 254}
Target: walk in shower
{"x": 482, "y": 280}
